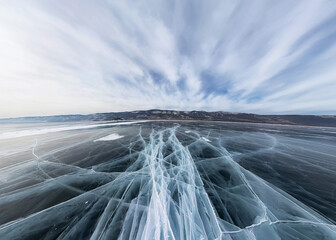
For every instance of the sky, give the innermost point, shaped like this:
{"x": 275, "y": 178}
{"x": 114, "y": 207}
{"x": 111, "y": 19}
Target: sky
{"x": 81, "y": 56}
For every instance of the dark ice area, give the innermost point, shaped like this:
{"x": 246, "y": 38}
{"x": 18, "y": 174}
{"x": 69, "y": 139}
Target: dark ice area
{"x": 167, "y": 180}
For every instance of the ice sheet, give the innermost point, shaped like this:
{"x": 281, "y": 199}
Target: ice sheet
{"x": 164, "y": 184}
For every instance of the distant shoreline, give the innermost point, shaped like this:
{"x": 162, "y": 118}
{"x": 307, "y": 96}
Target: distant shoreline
{"x": 155, "y": 114}
{"x": 186, "y": 120}
{"x": 225, "y": 121}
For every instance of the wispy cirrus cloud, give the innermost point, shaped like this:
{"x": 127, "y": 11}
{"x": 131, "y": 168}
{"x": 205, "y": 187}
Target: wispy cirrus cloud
{"x": 61, "y": 57}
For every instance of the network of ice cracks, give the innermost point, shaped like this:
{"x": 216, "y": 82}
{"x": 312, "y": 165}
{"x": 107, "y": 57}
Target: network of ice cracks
{"x": 169, "y": 190}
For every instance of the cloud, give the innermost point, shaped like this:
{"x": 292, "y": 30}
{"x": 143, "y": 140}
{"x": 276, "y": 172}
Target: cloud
{"x": 60, "y": 57}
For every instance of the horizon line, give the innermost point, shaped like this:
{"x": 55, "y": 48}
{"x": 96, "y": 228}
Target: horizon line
{"x": 157, "y": 109}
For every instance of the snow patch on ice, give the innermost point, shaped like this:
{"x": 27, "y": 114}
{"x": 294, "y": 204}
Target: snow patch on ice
{"x": 25, "y": 133}
{"x": 110, "y": 137}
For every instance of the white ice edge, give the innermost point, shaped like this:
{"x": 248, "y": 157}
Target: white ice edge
{"x": 25, "y": 133}
{"x": 110, "y": 137}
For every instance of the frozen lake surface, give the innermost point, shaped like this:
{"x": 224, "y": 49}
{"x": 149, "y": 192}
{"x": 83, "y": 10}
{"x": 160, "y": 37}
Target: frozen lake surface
{"x": 167, "y": 180}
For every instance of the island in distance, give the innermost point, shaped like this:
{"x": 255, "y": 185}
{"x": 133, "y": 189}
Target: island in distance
{"x": 156, "y": 114}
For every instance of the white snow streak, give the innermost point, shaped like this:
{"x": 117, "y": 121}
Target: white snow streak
{"x": 110, "y": 137}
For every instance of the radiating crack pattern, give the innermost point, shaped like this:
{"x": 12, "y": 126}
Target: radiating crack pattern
{"x": 163, "y": 181}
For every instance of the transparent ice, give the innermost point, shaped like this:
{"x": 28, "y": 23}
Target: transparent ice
{"x": 156, "y": 186}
